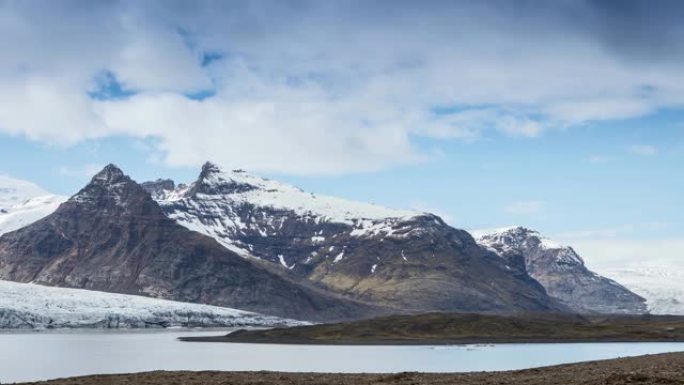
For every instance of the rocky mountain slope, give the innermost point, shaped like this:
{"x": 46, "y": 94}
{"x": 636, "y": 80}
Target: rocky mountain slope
{"x": 22, "y": 203}
{"x": 406, "y": 260}
{"x": 561, "y": 271}
{"x": 27, "y": 306}
{"x": 111, "y": 236}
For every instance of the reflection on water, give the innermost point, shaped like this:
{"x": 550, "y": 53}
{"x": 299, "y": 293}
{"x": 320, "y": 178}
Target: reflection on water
{"x": 37, "y": 356}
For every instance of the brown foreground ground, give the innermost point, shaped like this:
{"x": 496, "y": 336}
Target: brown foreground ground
{"x": 653, "y": 369}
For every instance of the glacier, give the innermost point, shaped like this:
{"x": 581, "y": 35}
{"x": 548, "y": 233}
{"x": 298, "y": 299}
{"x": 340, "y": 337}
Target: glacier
{"x": 662, "y": 285}
{"x": 30, "y": 306}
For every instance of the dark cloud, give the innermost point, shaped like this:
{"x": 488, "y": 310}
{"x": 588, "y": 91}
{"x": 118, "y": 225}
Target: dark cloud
{"x": 646, "y": 31}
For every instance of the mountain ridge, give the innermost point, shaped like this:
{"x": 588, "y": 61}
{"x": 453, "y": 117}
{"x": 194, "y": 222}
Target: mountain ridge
{"x": 352, "y": 253}
{"x": 111, "y": 236}
{"x": 398, "y": 258}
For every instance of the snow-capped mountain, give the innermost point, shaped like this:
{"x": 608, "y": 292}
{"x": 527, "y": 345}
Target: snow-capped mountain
{"x": 112, "y": 236}
{"x": 402, "y": 259}
{"x": 27, "y": 306}
{"x": 292, "y": 253}
{"x": 22, "y": 203}
{"x": 561, "y": 271}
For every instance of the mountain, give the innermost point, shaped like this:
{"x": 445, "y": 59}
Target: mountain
{"x": 22, "y": 203}
{"x": 561, "y": 271}
{"x": 27, "y": 306}
{"x": 111, "y": 236}
{"x": 406, "y": 260}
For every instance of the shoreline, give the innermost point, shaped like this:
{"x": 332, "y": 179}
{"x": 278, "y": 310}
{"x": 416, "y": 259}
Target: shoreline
{"x": 666, "y": 368}
{"x": 227, "y": 339}
{"x": 467, "y": 329}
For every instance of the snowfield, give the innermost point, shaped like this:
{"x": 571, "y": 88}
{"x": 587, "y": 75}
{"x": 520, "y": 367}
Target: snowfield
{"x": 28, "y": 306}
{"x": 662, "y": 286}
{"x": 22, "y": 203}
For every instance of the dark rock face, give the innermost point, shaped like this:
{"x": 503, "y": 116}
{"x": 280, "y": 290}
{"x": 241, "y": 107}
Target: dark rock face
{"x": 112, "y": 236}
{"x": 562, "y": 273}
{"x": 408, "y": 261}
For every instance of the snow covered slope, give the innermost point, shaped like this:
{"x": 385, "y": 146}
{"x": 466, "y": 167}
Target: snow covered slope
{"x": 22, "y": 203}
{"x": 29, "y": 306}
{"x": 239, "y": 187}
{"x": 227, "y": 205}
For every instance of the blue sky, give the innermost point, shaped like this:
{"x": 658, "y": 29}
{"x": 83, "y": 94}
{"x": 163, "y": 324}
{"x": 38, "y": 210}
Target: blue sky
{"x": 565, "y": 116}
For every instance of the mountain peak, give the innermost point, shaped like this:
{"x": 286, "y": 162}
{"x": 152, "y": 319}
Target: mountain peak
{"x": 520, "y": 230}
{"x": 108, "y": 175}
{"x": 110, "y": 186}
{"x": 521, "y": 238}
{"x": 213, "y": 171}
{"x": 210, "y": 168}
{"x": 514, "y": 231}
{"x": 213, "y": 180}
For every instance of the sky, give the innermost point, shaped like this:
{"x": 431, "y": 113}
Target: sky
{"x": 563, "y": 116}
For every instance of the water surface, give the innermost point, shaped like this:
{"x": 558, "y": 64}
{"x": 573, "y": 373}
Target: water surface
{"x": 37, "y": 356}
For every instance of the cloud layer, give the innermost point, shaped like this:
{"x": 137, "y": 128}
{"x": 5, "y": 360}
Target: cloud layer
{"x": 329, "y": 87}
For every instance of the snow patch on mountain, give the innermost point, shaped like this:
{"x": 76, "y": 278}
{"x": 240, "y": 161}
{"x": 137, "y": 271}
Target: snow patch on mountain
{"x": 221, "y": 204}
{"x": 29, "y": 306}
{"x": 506, "y": 239}
{"x": 262, "y": 192}
{"x": 23, "y": 202}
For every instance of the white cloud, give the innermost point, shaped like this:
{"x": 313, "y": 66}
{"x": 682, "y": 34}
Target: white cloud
{"x": 622, "y": 231}
{"x": 642, "y": 149}
{"x": 605, "y": 254}
{"x": 625, "y": 246}
{"x": 600, "y": 109}
{"x": 315, "y": 87}
{"x": 526, "y": 208}
{"x": 275, "y": 135}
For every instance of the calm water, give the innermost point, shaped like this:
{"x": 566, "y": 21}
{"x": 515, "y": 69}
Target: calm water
{"x": 37, "y": 356}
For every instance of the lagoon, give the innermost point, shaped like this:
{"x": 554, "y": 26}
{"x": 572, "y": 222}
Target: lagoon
{"x": 32, "y": 356}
